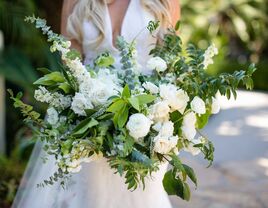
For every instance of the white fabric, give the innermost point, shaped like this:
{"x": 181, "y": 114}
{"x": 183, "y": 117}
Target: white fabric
{"x": 96, "y": 186}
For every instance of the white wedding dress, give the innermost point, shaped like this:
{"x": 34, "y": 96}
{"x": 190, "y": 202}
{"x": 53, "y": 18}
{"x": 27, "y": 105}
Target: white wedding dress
{"x": 96, "y": 185}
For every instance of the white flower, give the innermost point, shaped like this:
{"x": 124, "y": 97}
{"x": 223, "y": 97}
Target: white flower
{"x": 164, "y": 145}
{"x": 101, "y": 92}
{"x": 189, "y": 119}
{"x": 157, "y": 126}
{"x": 188, "y": 132}
{"x": 167, "y": 129}
{"x": 160, "y": 111}
{"x": 194, "y": 150}
{"x": 167, "y": 91}
{"x": 198, "y": 105}
{"x": 55, "y": 99}
{"x": 188, "y": 126}
{"x": 52, "y": 116}
{"x": 152, "y": 88}
{"x": 208, "y": 55}
{"x": 74, "y": 166}
{"x": 157, "y": 63}
{"x": 179, "y": 102}
{"x": 80, "y": 104}
{"x": 176, "y": 98}
{"x": 215, "y": 106}
{"x": 138, "y": 125}
{"x": 42, "y": 95}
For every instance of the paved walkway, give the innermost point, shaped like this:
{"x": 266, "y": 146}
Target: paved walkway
{"x": 239, "y": 176}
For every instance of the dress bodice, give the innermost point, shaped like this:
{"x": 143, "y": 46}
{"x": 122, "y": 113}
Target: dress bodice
{"x": 133, "y": 26}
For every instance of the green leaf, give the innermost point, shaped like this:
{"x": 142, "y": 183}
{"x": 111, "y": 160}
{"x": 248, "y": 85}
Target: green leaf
{"x": 172, "y": 185}
{"x": 50, "y": 79}
{"x": 116, "y": 106}
{"x": 126, "y": 92}
{"x": 83, "y": 126}
{"x": 186, "y": 192}
{"x": 134, "y": 101}
{"x": 44, "y": 70}
{"x": 90, "y": 112}
{"x": 65, "y": 87}
{"x": 177, "y": 26}
{"x": 177, "y": 163}
{"x": 145, "y": 99}
{"x": 104, "y": 60}
{"x": 251, "y": 69}
{"x": 202, "y": 120}
{"x": 190, "y": 173}
{"x": 123, "y": 116}
{"x": 73, "y": 54}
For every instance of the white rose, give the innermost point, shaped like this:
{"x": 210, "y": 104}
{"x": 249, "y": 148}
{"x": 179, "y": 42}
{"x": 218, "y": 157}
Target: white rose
{"x": 198, "y": 105}
{"x": 164, "y": 145}
{"x": 167, "y": 129}
{"x": 152, "y": 88}
{"x": 167, "y": 91}
{"x": 215, "y": 106}
{"x": 138, "y": 125}
{"x": 176, "y": 98}
{"x": 80, "y": 104}
{"x": 179, "y": 101}
{"x": 157, "y": 63}
{"x": 188, "y": 132}
{"x": 101, "y": 91}
{"x": 189, "y": 119}
{"x": 52, "y": 116}
{"x": 160, "y": 111}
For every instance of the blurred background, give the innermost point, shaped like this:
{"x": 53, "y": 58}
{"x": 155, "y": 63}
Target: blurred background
{"x": 239, "y": 28}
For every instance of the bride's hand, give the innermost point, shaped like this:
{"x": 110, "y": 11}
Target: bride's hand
{"x": 67, "y": 9}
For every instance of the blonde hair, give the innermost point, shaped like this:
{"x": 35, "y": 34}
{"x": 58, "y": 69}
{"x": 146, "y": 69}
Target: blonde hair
{"x": 94, "y": 10}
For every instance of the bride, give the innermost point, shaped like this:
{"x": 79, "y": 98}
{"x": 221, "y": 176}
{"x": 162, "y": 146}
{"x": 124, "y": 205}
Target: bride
{"x": 93, "y": 26}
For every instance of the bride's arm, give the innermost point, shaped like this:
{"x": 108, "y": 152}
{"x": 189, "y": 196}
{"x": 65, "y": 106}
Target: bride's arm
{"x": 175, "y": 11}
{"x": 67, "y": 9}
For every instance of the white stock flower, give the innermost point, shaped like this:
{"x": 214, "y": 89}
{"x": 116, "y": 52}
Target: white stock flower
{"x": 157, "y": 63}
{"x": 152, "y": 88}
{"x": 209, "y": 54}
{"x": 42, "y": 95}
{"x": 215, "y": 106}
{"x": 176, "y": 98}
{"x": 52, "y": 116}
{"x": 160, "y": 111}
{"x": 198, "y": 105}
{"x": 55, "y": 99}
{"x": 138, "y": 125}
{"x": 80, "y": 104}
{"x": 164, "y": 145}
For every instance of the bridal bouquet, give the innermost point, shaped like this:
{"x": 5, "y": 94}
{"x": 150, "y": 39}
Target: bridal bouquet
{"x": 134, "y": 121}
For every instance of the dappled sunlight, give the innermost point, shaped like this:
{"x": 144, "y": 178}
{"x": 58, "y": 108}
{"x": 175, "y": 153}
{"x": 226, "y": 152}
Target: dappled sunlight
{"x": 263, "y": 162}
{"x": 260, "y": 121}
{"x": 228, "y": 128}
{"x": 245, "y": 99}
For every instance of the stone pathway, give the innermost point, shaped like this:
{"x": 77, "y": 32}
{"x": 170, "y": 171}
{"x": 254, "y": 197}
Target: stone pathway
{"x": 239, "y": 175}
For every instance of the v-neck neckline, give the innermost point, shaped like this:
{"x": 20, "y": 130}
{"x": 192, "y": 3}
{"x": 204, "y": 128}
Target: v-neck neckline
{"x": 111, "y": 37}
